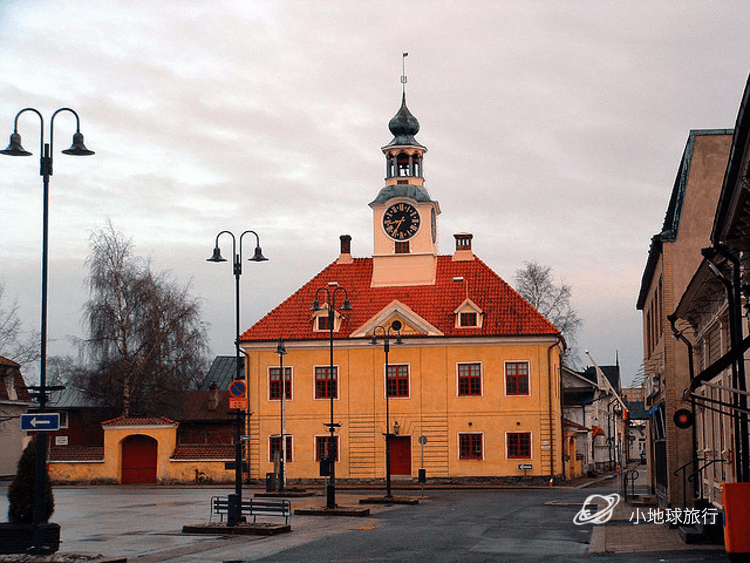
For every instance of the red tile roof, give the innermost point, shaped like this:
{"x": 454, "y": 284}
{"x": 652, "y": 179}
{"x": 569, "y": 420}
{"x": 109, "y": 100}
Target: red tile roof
{"x": 76, "y": 453}
{"x": 139, "y": 421}
{"x": 506, "y": 313}
{"x": 216, "y": 452}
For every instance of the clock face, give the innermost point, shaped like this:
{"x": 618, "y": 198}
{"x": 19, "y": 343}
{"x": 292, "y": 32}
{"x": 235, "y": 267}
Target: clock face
{"x": 401, "y": 221}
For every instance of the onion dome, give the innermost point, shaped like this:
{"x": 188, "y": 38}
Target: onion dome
{"x": 404, "y": 126}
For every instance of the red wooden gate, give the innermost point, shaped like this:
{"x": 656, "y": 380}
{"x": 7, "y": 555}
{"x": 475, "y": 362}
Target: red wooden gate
{"x": 400, "y": 447}
{"x": 139, "y": 459}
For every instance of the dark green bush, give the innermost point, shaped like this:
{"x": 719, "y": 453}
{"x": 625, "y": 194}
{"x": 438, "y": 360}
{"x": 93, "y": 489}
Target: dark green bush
{"x": 21, "y": 490}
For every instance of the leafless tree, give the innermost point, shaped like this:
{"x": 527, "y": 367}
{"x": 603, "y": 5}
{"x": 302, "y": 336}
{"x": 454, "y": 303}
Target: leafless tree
{"x": 536, "y": 284}
{"x": 16, "y": 344}
{"x": 146, "y": 339}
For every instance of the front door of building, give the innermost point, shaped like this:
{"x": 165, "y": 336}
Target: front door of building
{"x": 139, "y": 459}
{"x": 400, "y": 447}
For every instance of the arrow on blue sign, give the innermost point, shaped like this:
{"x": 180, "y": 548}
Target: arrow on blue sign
{"x": 47, "y": 422}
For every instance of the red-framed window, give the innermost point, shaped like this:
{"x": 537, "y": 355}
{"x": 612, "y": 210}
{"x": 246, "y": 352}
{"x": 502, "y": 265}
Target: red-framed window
{"x": 323, "y": 322}
{"x": 326, "y": 382}
{"x": 398, "y": 381}
{"x": 470, "y": 446}
{"x": 274, "y": 445}
{"x": 517, "y": 378}
{"x": 325, "y": 447}
{"x": 467, "y": 319}
{"x": 519, "y": 445}
{"x": 274, "y": 383}
{"x": 469, "y": 380}
{"x": 402, "y": 247}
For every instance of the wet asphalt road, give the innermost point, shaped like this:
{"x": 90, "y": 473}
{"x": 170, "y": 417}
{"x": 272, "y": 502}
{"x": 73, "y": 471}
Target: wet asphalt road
{"x": 521, "y": 525}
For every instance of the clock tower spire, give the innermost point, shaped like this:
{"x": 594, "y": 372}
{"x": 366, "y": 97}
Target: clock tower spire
{"x": 404, "y": 214}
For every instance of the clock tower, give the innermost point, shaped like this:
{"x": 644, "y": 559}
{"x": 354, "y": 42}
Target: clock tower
{"x": 404, "y": 215}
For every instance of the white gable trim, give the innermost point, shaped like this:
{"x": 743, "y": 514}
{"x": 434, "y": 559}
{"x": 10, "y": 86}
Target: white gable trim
{"x": 396, "y": 308}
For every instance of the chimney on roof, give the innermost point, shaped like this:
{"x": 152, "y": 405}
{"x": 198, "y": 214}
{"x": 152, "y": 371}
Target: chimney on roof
{"x": 213, "y": 396}
{"x": 463, "y": 247}
{"x": 346, "y": 250}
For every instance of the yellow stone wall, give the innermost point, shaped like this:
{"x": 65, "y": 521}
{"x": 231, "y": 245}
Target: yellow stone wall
{"x": 433, "y": 408}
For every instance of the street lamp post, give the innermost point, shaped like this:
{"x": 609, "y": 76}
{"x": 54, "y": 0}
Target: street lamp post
{"x": 281, "y": 351}
{"x": 45, "y": 171}
{"x": 235, "y": 501}
{"x": 386, "y": 333}
{"x": 331, "y": 450}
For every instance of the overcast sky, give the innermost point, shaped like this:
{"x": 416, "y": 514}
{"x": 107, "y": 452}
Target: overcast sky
{"x": 554, "y": 130}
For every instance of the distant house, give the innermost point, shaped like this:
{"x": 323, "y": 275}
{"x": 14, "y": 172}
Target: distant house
{"x": 593, "y": 425}
{"x": 192, "y": 441}
{"x": 14, "y": 401}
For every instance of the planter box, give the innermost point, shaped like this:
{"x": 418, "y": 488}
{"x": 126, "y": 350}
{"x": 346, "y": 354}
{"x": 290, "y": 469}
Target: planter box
{"x": 19, "y": 538}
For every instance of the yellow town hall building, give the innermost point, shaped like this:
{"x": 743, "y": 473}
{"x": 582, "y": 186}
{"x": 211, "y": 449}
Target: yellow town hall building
{"x": 473, "y": 382}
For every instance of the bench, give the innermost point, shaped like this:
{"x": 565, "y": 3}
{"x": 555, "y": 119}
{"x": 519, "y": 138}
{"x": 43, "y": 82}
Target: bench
{"x": 252, "y": 507}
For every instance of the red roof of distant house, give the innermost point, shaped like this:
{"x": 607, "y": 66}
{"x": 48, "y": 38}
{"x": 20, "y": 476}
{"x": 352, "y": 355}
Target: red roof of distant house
{"x": 76, "y": 453}
{"x": 22, "y": 392}
{"x": 506, "y": 313}
{"x": 222, "y": 452}
{"x": 7, "y": 362}
{"x": 139, "y": 421}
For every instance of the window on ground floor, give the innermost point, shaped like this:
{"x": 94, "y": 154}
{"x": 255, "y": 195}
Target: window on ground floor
{"x": 275, "y": 446}
{"x": 325, "y": 447}
{"x": 470, "y": 446}
{"x": 519, "y": 445}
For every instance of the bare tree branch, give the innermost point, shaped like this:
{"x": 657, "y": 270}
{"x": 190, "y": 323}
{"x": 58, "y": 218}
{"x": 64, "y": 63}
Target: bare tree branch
{"x": 16, "y": 344}
{"x": 536, "y": 285}
{"x": 146, "y": 338}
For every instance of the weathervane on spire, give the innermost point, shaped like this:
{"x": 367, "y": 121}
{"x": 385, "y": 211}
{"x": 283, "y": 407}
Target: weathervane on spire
{"x": 403, "y": 72}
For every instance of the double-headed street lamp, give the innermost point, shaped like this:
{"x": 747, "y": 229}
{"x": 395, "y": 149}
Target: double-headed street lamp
{"x": 235, "y": 501}
{"x": 45, "y": 170}
{"x": 387, "y": 335}
{"x": 331, "y": 450}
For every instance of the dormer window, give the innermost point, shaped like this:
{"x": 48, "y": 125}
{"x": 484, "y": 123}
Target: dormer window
{"x": 468, "y": 314}
{"x": 323, "y": 323}
{"x": 321, "y": 320}
{"x": 468, "y": 319}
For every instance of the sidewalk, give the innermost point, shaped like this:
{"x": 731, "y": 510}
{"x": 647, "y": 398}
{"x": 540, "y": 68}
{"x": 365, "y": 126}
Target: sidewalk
{"x": 621, "y": 534}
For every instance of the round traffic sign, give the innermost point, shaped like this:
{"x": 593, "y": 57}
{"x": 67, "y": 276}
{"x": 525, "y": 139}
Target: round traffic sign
{"x": 237, "y": 388}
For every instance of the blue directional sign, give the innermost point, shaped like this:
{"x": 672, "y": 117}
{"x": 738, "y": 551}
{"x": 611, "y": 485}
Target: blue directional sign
{"x": 41, "y": 422}
{"x": 525, "y": 466}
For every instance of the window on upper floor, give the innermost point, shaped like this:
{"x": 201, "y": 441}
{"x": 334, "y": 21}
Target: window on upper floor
{"x": 398, "y": 381}
{"x": 274, "y": 383}
{"x": 516, "y": 378}
{"x": 326, "y": 382}
{"x": 469, "y": 379}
